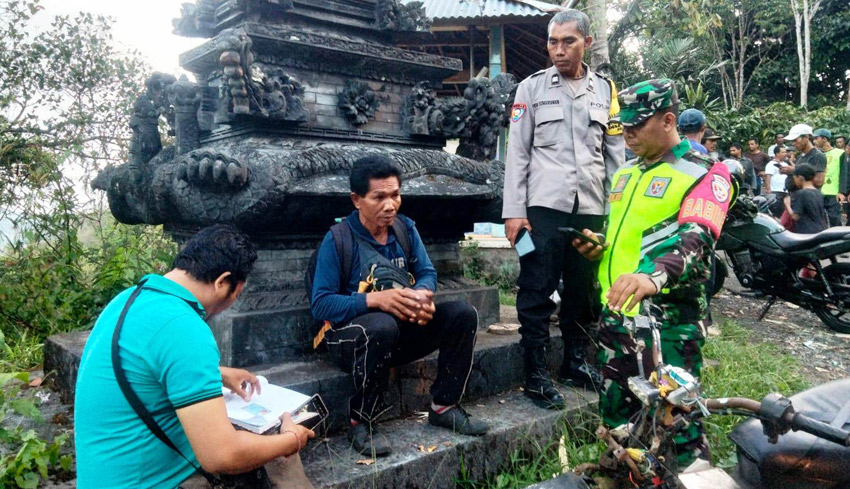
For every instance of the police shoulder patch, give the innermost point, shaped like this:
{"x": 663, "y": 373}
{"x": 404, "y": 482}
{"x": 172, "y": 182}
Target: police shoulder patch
{"x": 518, "y": 111}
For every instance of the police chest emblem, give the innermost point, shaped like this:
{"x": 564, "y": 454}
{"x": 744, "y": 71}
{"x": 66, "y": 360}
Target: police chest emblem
{"x": 517, "y": 111}
{"x": 720, "y": 188}
{"x": 657, "y": 187}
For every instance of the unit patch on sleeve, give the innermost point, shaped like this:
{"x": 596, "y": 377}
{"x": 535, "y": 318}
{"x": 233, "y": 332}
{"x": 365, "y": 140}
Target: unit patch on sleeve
{"x": 720, "y": 187}
{"x": 517, "y": 111}
{"x": 657, "y": 187}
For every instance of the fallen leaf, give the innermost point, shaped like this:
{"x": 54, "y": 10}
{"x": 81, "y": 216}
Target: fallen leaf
{"x": 366, "y": 461}
{"x": 421, "y": 448}
{"x": 501, "y": 401}
{"x": 431, "y": 448}
{"x": 36, "y": 382}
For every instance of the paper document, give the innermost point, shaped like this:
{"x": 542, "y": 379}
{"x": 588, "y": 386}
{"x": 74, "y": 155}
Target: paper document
{"x": 263, "y": 411}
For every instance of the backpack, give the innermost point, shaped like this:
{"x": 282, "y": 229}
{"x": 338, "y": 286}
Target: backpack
{"x": 344, "y": 241}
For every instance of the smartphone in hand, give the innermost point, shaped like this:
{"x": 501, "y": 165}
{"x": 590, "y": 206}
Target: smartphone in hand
{"x": 576, "y": 234}
{"x": 523, "y": 244}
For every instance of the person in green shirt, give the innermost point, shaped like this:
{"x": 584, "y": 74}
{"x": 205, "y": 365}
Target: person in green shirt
{"x": 171, "y": 362}
{"x": 832, "y": 196}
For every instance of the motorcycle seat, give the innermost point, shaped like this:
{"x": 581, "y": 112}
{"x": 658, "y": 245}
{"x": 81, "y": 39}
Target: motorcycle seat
{"x": 799, "y": 460}
{"x": 789, "y": 241}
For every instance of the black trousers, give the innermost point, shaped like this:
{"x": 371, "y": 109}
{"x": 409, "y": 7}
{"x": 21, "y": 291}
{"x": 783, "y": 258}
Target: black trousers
{"x": 372, "y": 343}
{"x": 833, "y": 210}
{"x": 555, "y": 257}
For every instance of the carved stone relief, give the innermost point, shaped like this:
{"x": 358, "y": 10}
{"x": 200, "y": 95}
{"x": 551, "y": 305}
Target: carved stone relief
{"x": 358, "y": 102}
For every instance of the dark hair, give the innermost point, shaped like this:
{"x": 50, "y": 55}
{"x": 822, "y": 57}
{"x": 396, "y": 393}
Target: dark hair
{"x": 215, "y": 250}
{"x": 754, "y": 140}
{"x": 736, "y": 145}
{"x": 805, "y": 171}
{"x": 372, "y": 167}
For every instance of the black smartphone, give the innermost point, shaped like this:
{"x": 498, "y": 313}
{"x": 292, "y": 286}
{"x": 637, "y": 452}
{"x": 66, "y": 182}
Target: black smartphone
{"x": 312, "y": 414}
{"x": 576, "y": 234}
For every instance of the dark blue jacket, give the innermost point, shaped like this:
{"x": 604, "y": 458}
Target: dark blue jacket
{"x": 330, "y": 305}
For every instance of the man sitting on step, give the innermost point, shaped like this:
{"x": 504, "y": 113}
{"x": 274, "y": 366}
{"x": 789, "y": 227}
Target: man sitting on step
{"x": 374, "y": 290}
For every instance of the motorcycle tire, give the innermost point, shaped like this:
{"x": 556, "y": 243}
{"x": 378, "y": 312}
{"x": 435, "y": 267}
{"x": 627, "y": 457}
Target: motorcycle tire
{"x": 719, "y": 276}
{"x": 836, "y": 316}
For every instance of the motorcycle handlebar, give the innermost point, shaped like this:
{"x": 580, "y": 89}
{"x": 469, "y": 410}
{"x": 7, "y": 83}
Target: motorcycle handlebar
{"x": 801, "y": 422}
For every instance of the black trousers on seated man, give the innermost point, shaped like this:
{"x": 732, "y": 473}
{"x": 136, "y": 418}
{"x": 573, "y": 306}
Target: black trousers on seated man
{"x": 554, "y": 257}
{"x": 372, "y": 343}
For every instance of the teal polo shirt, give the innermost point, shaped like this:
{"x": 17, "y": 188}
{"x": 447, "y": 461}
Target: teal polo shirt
{"x": 171, "y": 361}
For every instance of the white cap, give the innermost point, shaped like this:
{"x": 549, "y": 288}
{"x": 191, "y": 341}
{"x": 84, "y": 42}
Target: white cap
{"x": 799, "y": 130}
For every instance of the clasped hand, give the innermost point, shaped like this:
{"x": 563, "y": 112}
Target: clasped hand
{"x": 411, "y": 305}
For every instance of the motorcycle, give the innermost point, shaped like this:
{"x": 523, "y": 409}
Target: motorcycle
{"x": 805, "y": 443}
{"x": 779, "y": 264}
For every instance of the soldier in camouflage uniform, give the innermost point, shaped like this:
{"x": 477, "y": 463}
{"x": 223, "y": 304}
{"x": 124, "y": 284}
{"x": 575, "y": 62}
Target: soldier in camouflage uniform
{"x": 667, "y": 209}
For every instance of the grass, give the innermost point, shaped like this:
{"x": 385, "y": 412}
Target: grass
{"x": 735, "y": 366}
{"x": 739, "y": 367}
{"x": 507, "y": 298}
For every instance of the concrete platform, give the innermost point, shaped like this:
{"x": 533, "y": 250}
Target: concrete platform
{"x": 516, "y": 424}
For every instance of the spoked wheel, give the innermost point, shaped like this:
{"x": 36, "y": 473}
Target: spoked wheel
{"x": 836, "y": 316}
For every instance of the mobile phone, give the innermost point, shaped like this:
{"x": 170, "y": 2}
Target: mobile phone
{"x": 312, "y": 414}
{"x": 576, "y": 234}
{"x": 523, "y": 244}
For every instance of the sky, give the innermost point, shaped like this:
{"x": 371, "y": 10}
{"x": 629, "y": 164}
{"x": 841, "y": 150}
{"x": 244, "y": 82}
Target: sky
{"x": 144, "y": 25}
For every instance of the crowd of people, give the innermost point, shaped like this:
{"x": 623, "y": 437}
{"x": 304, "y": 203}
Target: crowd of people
{"x": 150, "y": 385}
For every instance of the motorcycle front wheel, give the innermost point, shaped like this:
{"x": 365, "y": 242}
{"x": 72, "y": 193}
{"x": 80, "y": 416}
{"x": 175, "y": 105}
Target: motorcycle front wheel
{"x": 836, "y": 316}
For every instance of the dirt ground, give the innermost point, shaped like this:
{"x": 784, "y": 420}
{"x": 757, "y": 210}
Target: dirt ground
{"x": 824, "y": 354}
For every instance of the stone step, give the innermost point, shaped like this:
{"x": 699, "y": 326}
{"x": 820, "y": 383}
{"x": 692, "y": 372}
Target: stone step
{"x": 497, "y": 367}
{"x": 515, "y": 424}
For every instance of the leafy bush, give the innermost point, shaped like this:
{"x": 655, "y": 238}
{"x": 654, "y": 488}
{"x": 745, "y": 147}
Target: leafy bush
{"x": 25, "y": 458}
{"x": 764, "y": 122}
{"x": 475, "y": 267}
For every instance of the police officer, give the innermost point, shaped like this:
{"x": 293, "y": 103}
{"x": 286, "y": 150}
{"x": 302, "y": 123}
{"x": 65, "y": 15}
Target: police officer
{"x": 565, "y": 142}
{"x": 667, "y": 209}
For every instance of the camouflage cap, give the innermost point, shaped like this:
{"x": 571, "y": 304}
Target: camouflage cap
{"x": 641, "y": 100}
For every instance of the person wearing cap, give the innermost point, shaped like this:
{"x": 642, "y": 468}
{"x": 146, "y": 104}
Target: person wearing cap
{"x": 692, "y": 127}
{"x": 832, "y": 197}
{"x": 709, "y": 140}
{"x": 566, "y": 142}
{"x": 667, "y": 209}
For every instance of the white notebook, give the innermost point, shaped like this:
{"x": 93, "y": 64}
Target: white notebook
{"x": 262, "y": 413}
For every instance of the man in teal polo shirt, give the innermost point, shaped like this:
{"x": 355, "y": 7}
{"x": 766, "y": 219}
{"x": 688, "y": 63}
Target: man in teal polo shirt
{"x": 171, "y": 362}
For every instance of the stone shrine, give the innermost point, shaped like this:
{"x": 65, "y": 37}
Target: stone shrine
{"x": 289, "y": 94}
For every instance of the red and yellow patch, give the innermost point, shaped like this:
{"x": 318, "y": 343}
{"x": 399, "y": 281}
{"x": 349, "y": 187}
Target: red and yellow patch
{"x": 517, "y": 111}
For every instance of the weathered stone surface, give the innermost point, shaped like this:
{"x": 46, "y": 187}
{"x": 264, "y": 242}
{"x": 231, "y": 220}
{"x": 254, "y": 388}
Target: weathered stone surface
{"x": 62, "y": 355}
{"x": 516, "y": 424}
{"x": 497, "y": 368}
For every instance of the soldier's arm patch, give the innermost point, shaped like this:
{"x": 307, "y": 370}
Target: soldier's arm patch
{"x": 708, "y": 202}
{"x": 518, "y": 111}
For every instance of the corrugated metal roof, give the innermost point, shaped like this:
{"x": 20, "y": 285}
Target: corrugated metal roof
{"x": 471, "y": 9}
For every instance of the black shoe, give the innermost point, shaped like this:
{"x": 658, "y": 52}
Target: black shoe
{"x": 543, "y": 393}
{"x": 459, "y": 421}
{"x": 538, "y": 384}
{"x": 577, "y": 371}
{"x": 581, "y": 374}
{"x": 367, "y": 441}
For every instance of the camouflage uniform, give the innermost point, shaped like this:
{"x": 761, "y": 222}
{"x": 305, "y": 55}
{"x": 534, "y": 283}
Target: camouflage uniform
{"x": 673, "y": 247}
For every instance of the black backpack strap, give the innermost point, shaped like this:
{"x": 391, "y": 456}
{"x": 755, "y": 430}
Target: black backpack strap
{"x": 402, "y": 235}
{"x": 133, "y": 398}
{"x": 344, "y": 241}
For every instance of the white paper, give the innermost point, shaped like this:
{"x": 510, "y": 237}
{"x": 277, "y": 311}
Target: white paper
{"x": 262, "y": 411}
